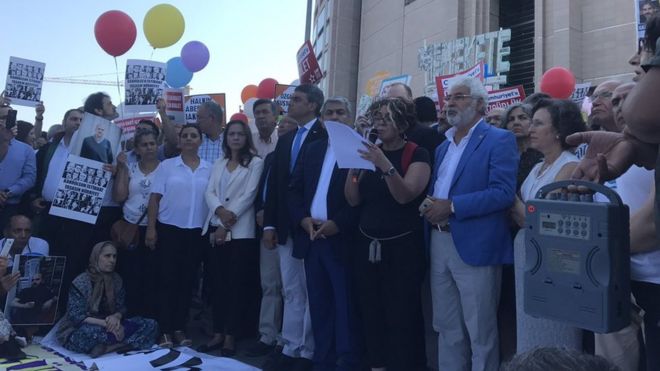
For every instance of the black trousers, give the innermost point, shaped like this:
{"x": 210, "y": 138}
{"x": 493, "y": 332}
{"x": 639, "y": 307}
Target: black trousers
{"x": 137, "y": 268}
{"x": 178, "y": 253}
{"x": 235, "y": 271}
{"x": 647, "y": 296}
{"x": 389, "y": 297}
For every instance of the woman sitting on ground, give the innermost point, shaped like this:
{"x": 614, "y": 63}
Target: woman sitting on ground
{"x": 94, "y": 320}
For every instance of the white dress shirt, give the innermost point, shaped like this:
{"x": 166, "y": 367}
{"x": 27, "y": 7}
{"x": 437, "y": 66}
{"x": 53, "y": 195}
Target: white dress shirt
{"x": 182, "y": 204}
{"x": 447, "y": 168}
{"x": 319, "y": 207}
{"x": 55, "y": 171}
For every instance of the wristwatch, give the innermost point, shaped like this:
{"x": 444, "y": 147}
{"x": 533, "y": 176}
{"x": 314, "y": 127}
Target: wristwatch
{"x": 391, "y": 171}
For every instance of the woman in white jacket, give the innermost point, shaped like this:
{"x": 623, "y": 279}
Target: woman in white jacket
{"x": 230, "y": 196}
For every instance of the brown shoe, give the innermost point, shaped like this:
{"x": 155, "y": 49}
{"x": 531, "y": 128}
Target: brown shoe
{"x": 181, "y": 339}
{"x": 165, "y": 341}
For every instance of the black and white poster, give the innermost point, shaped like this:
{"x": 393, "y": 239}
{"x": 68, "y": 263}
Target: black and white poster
{"x": 81, "y": 190}
{"x": 145, "y": 81}
{"x": 34, "y": 299}
{"x": 96, "y": 139}
{"x": 24, "y": 81}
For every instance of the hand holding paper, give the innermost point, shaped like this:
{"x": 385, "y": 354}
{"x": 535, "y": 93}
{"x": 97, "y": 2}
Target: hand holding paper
{"x": 346, "y": 143}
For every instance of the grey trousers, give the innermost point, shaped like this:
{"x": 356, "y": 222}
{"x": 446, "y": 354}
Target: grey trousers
{"x": 270, "y": 315}
{"x": 465, "y": 300}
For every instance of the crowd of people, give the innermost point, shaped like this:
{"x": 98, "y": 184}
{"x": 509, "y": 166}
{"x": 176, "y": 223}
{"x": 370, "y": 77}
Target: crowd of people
{"x": 327, "y": 265}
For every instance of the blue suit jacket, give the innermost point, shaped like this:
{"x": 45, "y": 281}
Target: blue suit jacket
{"x": 302, "y": 189}
{"x": 482, "y": 190}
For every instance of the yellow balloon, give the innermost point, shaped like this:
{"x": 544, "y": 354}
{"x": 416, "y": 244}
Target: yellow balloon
{"x": 163, "y": 25}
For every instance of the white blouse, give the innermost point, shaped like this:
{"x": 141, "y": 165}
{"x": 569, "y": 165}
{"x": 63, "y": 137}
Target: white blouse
{"x": 182, "y": 204}
{"x": 139, "y": 189}
{"x": 537, "y": 179}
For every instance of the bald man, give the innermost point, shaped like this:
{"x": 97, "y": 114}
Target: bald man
{"x": 601, "y": 116}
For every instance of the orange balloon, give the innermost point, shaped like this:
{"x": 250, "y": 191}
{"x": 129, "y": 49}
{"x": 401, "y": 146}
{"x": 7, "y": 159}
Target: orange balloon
{"x": 249, "y": 91}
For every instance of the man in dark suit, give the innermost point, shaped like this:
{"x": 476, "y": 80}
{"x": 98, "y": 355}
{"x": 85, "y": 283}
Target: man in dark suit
{"x": 304, "y": 107}
{"x": 323, "y": 221}
{"x": 472, "y": 189}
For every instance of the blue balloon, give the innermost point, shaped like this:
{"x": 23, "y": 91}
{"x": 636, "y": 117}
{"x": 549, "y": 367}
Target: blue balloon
{"x": 178, "y": 75}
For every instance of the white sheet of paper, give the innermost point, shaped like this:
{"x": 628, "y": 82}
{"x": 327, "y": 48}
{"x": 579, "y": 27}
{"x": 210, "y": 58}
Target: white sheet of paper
{"x": 345, "y": 142}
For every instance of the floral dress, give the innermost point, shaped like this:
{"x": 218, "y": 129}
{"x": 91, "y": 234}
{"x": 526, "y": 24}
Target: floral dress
{"x": 81, "y": 337}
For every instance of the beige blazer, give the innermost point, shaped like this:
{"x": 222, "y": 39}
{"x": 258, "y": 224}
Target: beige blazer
{"x": 239, "y": 196}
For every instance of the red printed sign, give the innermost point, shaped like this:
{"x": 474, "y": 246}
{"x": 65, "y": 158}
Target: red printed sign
{"x": 308, "y": 66}
{"x": 174, "y": 103}
{"x": 503, "y": 98}
{"x": 442, "y": 82}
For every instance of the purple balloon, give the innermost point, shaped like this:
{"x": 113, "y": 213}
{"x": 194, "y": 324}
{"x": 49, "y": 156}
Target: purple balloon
{"x": 195, "y": 56}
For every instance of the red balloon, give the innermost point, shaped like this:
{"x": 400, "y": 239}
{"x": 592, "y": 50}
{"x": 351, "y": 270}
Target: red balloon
{"x": 239, "y": 117}
{"x": 115, "y": 32}
{"x": 558, "y": 82}
{"x": 266, "y": 89}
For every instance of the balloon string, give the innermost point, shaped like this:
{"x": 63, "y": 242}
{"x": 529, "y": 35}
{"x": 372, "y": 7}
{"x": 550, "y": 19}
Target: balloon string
{"x": 118, "y": 88}
{"x": 152, "y": 54}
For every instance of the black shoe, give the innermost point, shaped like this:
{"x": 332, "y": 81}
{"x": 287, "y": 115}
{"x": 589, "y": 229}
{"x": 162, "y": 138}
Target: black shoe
{"x": 205, "y": 348}
{"x": 259, "y": 349}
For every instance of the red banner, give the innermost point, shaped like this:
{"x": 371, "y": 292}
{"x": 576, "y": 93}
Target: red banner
{"x": 308, "y": 66}
{"x": 442, "y": 82}
{"x": 503, "y": 98}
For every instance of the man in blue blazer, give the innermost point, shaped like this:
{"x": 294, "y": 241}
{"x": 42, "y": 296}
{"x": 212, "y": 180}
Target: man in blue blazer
{"x": 324, "y": 222}
{"x": 471, "y": 191}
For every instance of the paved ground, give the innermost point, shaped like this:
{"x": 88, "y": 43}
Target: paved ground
{"x": 199, "y": 337}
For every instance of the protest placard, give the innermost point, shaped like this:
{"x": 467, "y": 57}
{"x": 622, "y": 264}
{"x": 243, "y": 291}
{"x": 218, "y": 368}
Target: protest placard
{"x": 580, "y": 92}
{"x": 81, "y": 190}
{"x": 309, "y": 71}
{"x": 363, "y": 105}
{"x": 386, "y": 83}
{"x": 283, "y": 95}
{"x": 503, "y": 98}
{"x": 127, "y": 125}
{"x": 442, "y": 82}
{"x": 174, "y": 105}
{"x": 144, "y": 83}
{"x": 24, "y": 81}
{"x": 34, "y": 299}
{"x": 96, "y": 139}
{"x": 193, "y": 102}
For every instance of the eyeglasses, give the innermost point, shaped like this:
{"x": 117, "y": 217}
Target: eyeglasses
{"x": 604, "y": 95}
{"x": 456, "y": 97}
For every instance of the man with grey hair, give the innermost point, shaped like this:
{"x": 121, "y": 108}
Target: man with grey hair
{"x": 209, "y": 119}
{"x": 472, "y": 189}
{"x": 337, "y": 109}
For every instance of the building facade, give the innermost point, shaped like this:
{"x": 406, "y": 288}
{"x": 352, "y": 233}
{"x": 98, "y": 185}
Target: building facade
{"x": 363, "y": 42}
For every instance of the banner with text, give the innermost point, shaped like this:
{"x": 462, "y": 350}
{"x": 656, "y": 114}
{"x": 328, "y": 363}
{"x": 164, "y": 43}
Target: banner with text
{"x": 145, "y": 81}
{"x": 503, "y": 98}
{"x": 283, "y": 95}
{"x": 193, "y": 102}
{"x": 580, "y": 92}
{"x": 442, "y": 82}
{"x": 175, "y": 105}
{"x": 309, "y": 71}
{"x": 24, "y": 81}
